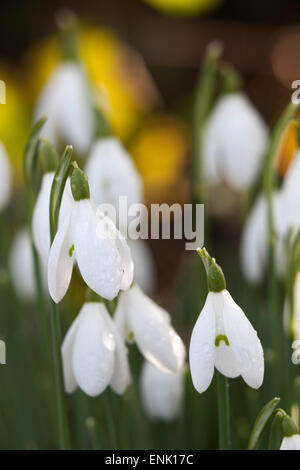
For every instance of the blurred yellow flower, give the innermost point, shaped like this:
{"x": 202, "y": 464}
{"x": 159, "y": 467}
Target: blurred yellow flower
{"x": 123, "y": 86}
{"x": 14, "y": 122}
{"x": 184, "y": 7}
{"x": 159, "y": 151}
{"x": 287, "y": 147}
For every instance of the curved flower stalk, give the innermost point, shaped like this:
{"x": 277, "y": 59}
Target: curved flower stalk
{"x": 94, "y": 354}
{"x": 5, "y": 177}
{"x": 144, "y": 268}
{"x": 234, "y": 142}
{"x": 140, "y": 319}
{"x": 40, "y": 218}
{"x": 66, "y": 101}
{"x": 223, "y": 337}
{"x": 90, "y": 238}
{"x": 112, "y": 173}
{"x": 21, "y": 266}
{"x": 162, "y": 392}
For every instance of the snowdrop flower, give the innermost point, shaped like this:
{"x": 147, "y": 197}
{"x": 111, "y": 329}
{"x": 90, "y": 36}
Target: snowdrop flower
{"x": 162, "y": 392}
{"x": 254, "y": 238}
{"x": 66, "y": 101}
{"x": 234, "y": 142}
{"x": 296, "y": 308}
{"x": 144, "y": 269}
{"x": 291, "y": 194}
{"x": 223, "y": 337}
{"x": 94, "y": 354}
{"x": 291, "y": 439}
{"x": 21, "y": 266}
{"x": 112, "y": 174}
{"x": 138, "y": 317}
{"x": 90, "y": 238}
{"x": 40, "y": 218}
{"x": 5, "y": 178}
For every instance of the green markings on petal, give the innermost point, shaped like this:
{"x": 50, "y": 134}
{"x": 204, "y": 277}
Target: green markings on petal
{"x": 71, "y": 249}
{"x": 220, "y": 338}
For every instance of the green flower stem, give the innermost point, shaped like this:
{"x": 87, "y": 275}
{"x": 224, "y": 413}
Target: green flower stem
{"x": 64, "y": 438}
{"x": 268, "y": 185}
{"x": 57, "y": 190}
{"x": 223, "y": 412}
{"x": 205, "y": 92}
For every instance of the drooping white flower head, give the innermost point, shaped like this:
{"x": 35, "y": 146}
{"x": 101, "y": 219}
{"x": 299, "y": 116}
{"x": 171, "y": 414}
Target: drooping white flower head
{"x": 94, "y": 354}
{"x": 162, "y": 392}
{"x": 21, "y": 266}
{"x": 5, "y": 177}
{"x": 144, "y": 269}
{"x": 234, "y": 142}
{"x": 112, "y": 174}
{"x": 40, "y": 219}
{"x": 66, "y": 102}
{"x": 254, "y": 238}
{"x": 223, "y": 337}
{"x": 290, "y": 442}
{"x": 150, "y": 325}
{"x": 90, "y": 238}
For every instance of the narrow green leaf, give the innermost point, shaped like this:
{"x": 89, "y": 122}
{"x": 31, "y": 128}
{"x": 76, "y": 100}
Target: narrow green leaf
{"x": 275, "y": 437}
{"x": 261, "y": 423}
{"x": 57, "y": 188}
{"x": 31, "y": 152}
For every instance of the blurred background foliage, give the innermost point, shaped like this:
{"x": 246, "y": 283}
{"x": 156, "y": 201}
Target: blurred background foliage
{"x": 143, "y": 59}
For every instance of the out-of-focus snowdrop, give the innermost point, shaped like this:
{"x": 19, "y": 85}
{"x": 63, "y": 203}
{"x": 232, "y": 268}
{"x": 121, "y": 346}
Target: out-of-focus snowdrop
{"x": 254, "y": 238}
{"x": 94, "y": 354}
{"x": 91, "y": 239}
{"x": 162, "y": 392}
{"x": 235, "y": 139}
{"x": 291, "y": 439}
{"x": 65, "y": 100}
{"x": 21, "y": 266}
{"x": 142, "y": 320}
{"x": 291, "y": 195}
{"x": 5, "y": 178}
{"x": 144, "y": 268}
{"x": 112, "y": 174}
{"x": 223, "y": 337}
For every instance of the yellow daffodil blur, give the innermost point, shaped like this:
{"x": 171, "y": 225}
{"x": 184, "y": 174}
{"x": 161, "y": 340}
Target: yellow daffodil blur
{"x": 287, "y": 147}
{"x": 159, "y": 151}
{"x": 184, "y": 7}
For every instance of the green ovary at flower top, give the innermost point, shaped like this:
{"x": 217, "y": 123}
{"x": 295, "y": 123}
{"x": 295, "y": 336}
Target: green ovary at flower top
{"x": 223, "y": 337}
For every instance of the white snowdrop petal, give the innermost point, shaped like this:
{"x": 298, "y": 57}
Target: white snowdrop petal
{"x": 65, "y": 100}
{"x": 121, "y": 377}
{"x": 162, "y": 392}
{"x": 94, "y": 351}
{"x": 124, "y": 252}
{"x": 96, "y": 251}
{"x": 61, "y": 261}
{"x": 20, "y": 262}
{"x": 296, "y": 320}
{"x": 225, "y": 361}
{"x": 67, "y": 352}
{"x": 5, "y": 177}
{"x": 75, "y": 113}
{"x": 153, "y": 333}
{"x": 291, "y": 443}
{"x": 244, "y": 342}
{"x": 202, "y": 347}
{"x": 40, "y": 220}
{"x": 112, "y": 173}
{"x": 254, "y": 240}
